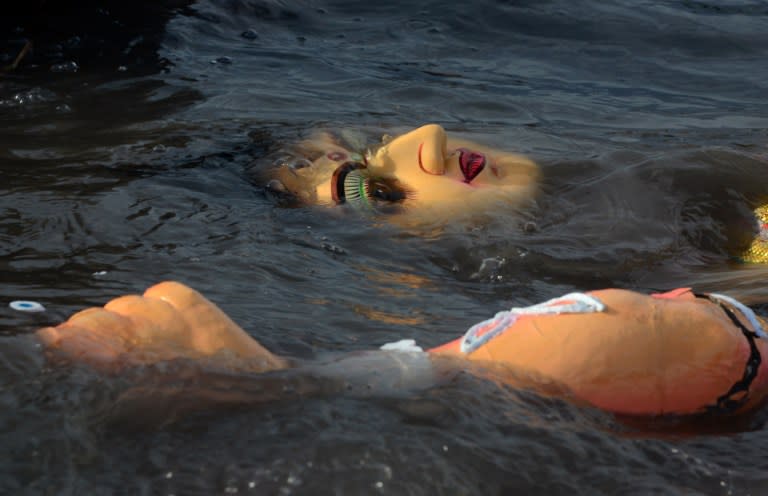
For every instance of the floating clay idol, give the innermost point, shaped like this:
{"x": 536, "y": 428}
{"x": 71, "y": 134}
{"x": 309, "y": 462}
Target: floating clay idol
{"x": 421, "y": 176}
{"x": 676, "y": 353}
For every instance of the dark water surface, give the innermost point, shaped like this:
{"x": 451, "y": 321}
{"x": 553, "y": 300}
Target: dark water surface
{"x": 130, "y": 137}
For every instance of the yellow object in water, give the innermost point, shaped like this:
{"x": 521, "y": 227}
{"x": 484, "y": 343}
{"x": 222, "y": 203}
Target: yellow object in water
{"x": 758, "y": 249}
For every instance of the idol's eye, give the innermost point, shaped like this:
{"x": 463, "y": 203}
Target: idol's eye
{"x": 373, "y": 194}
{"x": 383, "y": 190}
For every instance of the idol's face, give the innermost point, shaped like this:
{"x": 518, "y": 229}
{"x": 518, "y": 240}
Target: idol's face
{"x": 422, "y": 172}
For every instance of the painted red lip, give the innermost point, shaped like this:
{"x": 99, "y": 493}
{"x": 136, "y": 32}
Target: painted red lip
{"x": 471, "y": 164}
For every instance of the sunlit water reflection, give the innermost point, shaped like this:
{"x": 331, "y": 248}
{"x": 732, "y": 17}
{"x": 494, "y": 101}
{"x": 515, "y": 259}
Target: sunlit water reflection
{"x": 649, "y": 123}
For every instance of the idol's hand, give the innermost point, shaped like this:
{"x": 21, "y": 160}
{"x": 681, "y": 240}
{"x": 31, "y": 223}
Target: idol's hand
{"x": 169, "y": 321}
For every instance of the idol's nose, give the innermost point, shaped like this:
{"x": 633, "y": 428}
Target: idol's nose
{"x": 433, "y": 148}
{"x": 426, "y": 145}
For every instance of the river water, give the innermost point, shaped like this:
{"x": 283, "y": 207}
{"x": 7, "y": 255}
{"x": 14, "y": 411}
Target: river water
{"x": 132, "y": 140}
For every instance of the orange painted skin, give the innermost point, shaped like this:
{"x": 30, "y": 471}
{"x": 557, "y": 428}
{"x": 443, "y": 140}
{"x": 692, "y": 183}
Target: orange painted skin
{"x": 643, "y": 355}
{"x": 169, "y": 321}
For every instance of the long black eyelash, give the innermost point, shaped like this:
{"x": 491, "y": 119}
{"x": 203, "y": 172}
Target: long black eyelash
{"x": 386, "y": 190}
{"x": 363, "y": 192}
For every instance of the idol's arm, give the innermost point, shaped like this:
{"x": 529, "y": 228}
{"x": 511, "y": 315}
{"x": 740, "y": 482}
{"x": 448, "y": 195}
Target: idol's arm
{"x": 181, "y": 353}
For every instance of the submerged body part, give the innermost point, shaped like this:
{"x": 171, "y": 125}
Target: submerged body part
{"x": 635, "y": 354}
{"x": 624, "y": 352}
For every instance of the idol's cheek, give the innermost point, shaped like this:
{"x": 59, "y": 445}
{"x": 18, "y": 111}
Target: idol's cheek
{"x": 323, "y": 193}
